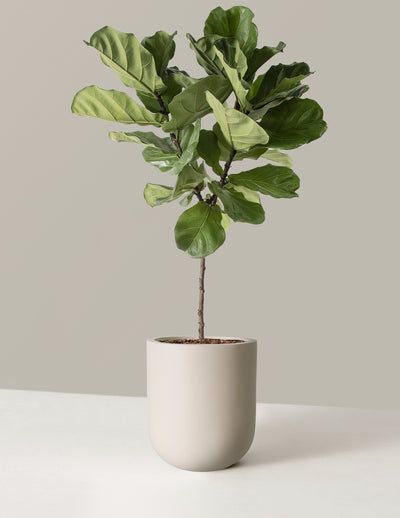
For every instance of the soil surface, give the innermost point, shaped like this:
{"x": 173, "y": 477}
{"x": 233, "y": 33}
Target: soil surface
{"x": 197, "y": 341}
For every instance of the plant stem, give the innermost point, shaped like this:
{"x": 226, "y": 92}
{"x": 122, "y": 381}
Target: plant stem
{"x": 173, "y": 136}
{"x": 227, "y": 167}
{"x": 200, "y": 311}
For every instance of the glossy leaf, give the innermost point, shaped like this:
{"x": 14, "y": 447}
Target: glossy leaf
{"x": 234, "y": 79}
{"x": 294, "y": 123}
{"x": 155, "y": 194}
{"x": 133, "y": 63}
{"x": 237, "y": 206}
{"x": 236, "y": 22}
{"x": 239, "y": 131}
{"x": 260, "y": 57}
{"x": 208, "y": 149}
{"x": 278, "y": 79}
{"x": 111, "y": 105}
{"x": 276, "y": 181}
{"x": 162, "y": 47}
{"x": 192, "y": 104}
{"x": 199, "y": 230}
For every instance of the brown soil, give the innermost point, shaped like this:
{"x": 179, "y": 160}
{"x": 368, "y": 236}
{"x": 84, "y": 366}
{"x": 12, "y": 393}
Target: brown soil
{"x": 197, "y": 341}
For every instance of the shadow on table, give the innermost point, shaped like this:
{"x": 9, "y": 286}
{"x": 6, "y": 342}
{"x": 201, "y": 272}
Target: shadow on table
{"x": 309, "y": 432}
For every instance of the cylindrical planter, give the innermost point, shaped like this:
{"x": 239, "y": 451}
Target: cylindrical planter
{"x": 202, "y": 402}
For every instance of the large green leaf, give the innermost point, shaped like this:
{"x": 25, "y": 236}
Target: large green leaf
{"x": 111, "y": 105}
{"x": 199, "y": 230}
{"x": 192, "y": 104}
{"x": 279, "y": 78}
{"x": 208, "y": 149}
{"x": 206, "y": 56}
{"x": 148, "y": 138}
{"x": 237, "y": 206}
{"x": 234, "y": 79}
{"x": 259, "y": 57}
{"x": 162, "y": 47}
{"x": 276, "y": 181}
{"x": 156, "y": 194}
{"x": 133, "y": 63}
{"x": 189, "y": 178}
{"x": 239, "y": 131}
{"x": 236, "y": 22}
{"x": 294, "y": 123}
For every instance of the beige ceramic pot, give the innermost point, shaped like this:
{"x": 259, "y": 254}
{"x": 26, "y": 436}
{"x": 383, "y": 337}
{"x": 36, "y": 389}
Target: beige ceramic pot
{"x": 202, "y": 402}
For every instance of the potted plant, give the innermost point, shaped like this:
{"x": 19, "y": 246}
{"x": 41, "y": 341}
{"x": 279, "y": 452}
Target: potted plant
{"x": 202, "y": 390}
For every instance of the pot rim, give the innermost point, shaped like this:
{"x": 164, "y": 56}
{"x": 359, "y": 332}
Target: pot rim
{"x": 243, "y": 341}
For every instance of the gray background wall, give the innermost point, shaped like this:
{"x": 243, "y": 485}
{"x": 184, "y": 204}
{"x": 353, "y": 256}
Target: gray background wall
{"x": 88, "y": 271}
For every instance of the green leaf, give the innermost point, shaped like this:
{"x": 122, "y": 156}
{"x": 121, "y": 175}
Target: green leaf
{"x": 236, "y": 22}
{"x": 206, "y": 57}
{"x": 294, "y": 123}
{"x": 133, "y": 63}
{"x": 192, "y": 104}
{"x": 199, "y": 230}
{"x": 238, "y": 129}
{"x": 148, "y": 138}
{"x": 260, "y": 57}
{"x": 189, "y": 141}
{"x": 162, "y": 47}
{"x": 208, "y": 150}
{"x": 111, "y": 105}
{"x": 166, "y": 159}
{"x": 186, "y": 200}
{"x": 159, "y": 158}
{"x": 237, "y": 206}
{"x": 276, "y": 181}
{"x": 279, "y": 78}
{"x": 232, "y": 53}
{"x": 234, "y": 79}
{"x": 180, "y": 77}
{"x": 155, "y": 194}
{"x": 188, "y": 179}
{"x": 260, "y": 151}
{"x": 277, "y": 156}
{"x": 202, "y": 49}
{"x": 278, "y": 99}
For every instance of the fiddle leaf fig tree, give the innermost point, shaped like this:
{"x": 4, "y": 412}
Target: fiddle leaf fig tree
{"x": 258, "y": 115}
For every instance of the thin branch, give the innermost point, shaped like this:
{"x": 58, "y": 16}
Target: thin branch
{"x": 200, "y": 311}
{"x": 227, "y": 167}
{"x": 197, "y": 193}
{"x": 164, "y": 111}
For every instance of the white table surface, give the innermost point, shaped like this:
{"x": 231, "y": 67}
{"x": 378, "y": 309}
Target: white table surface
{"x": 86, "y": 456}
